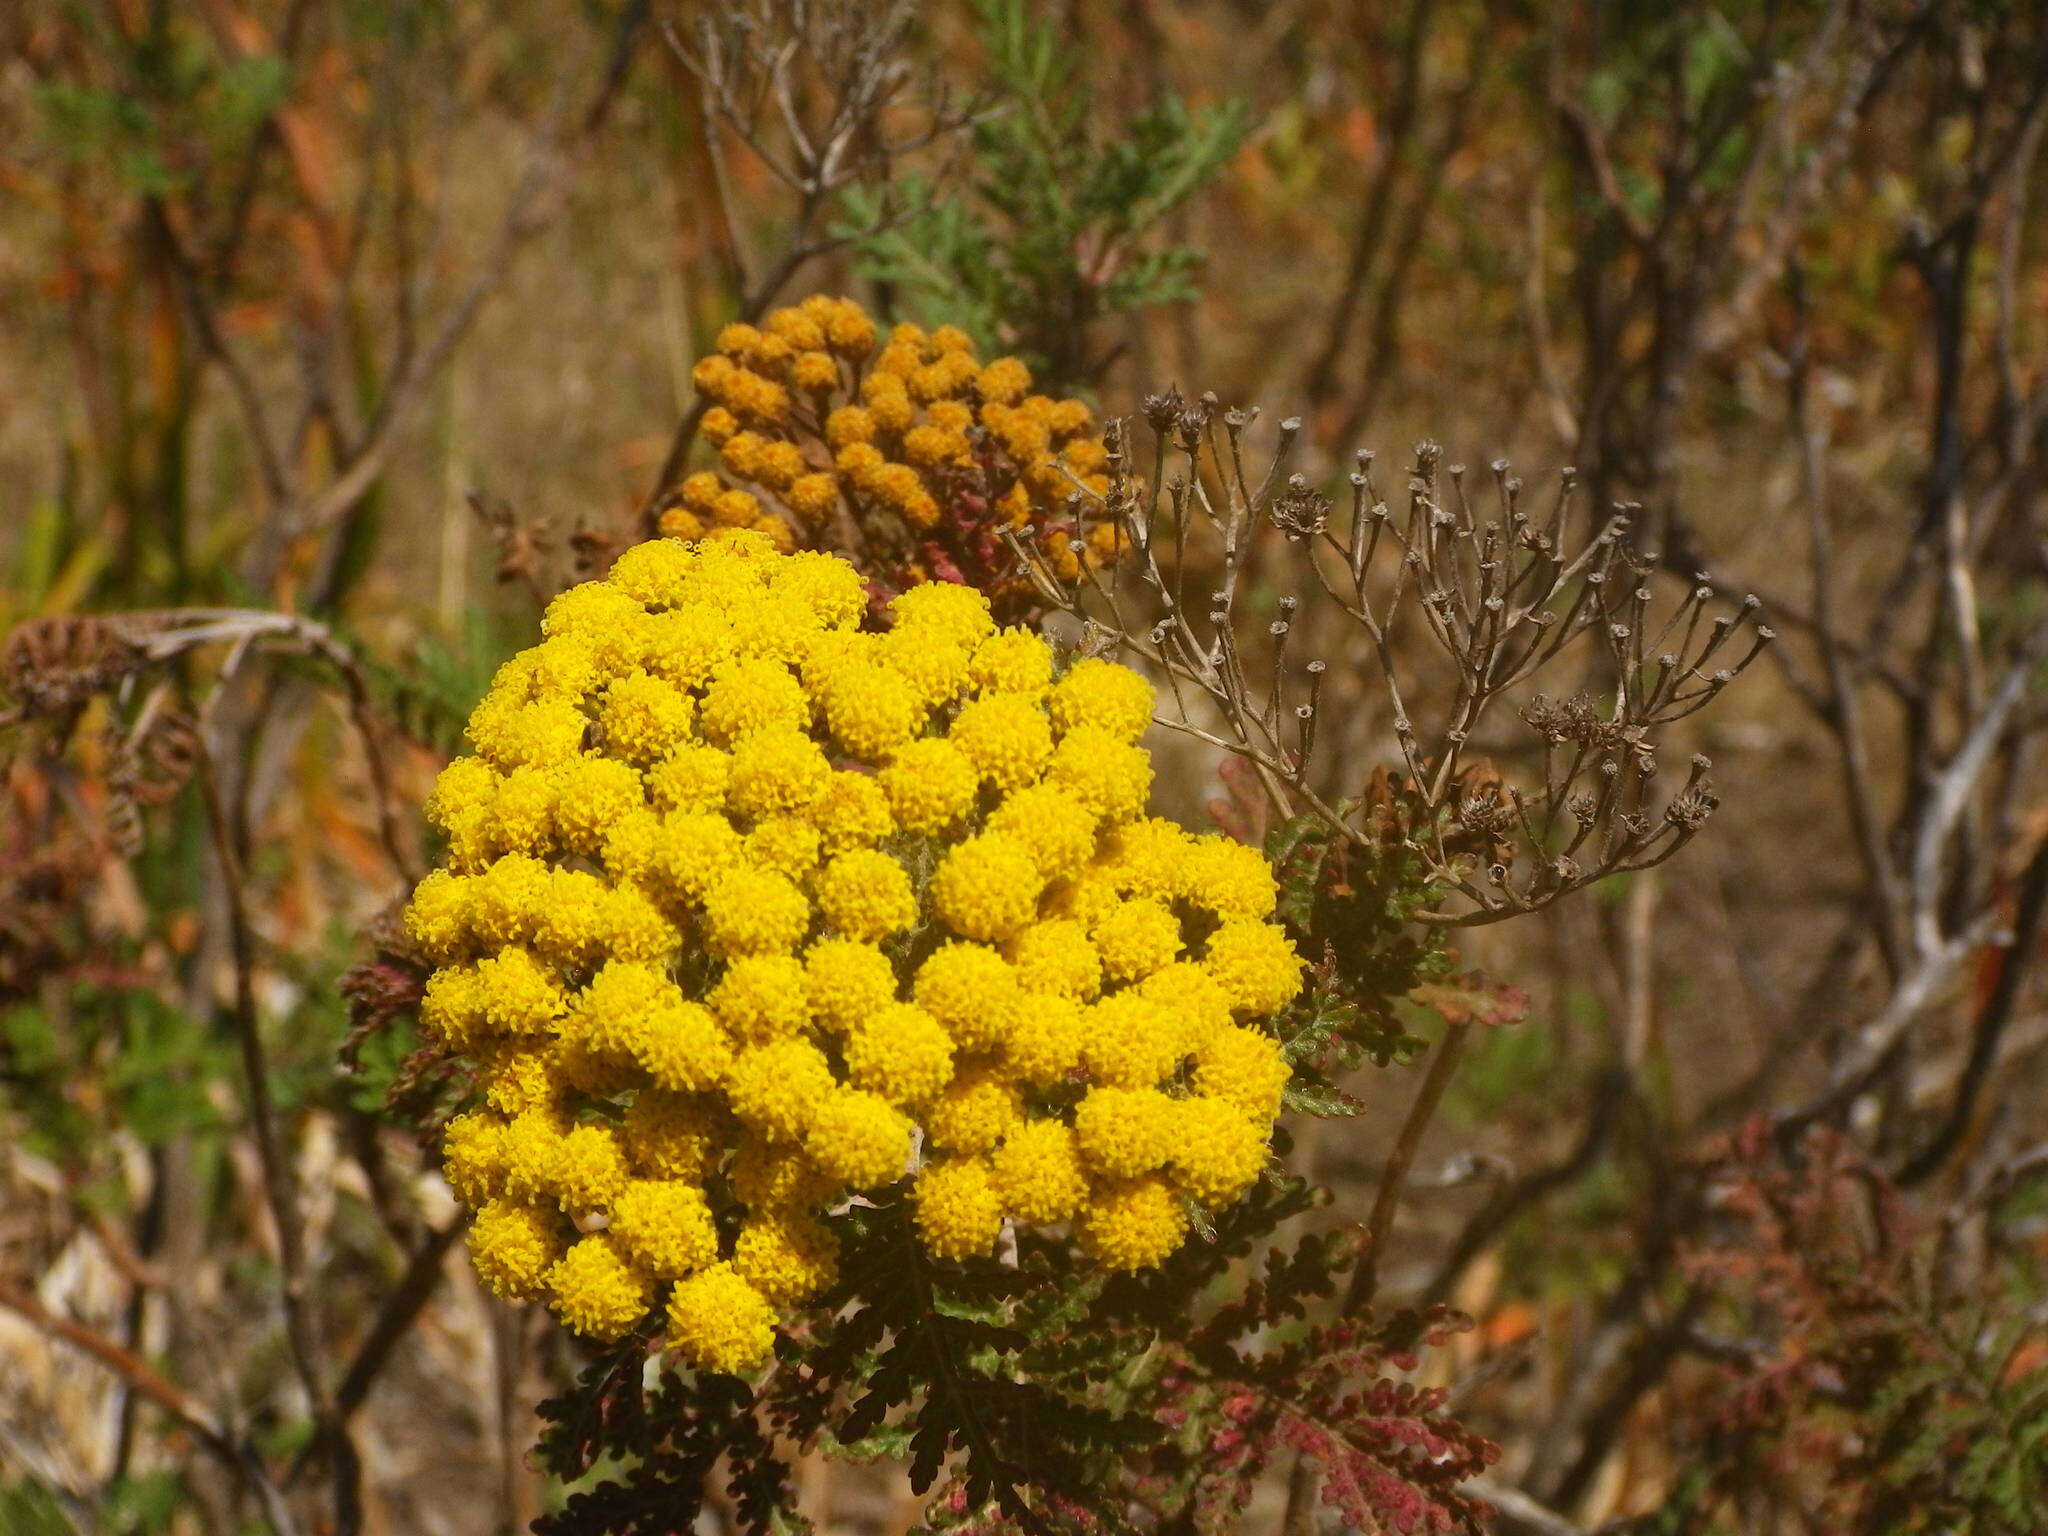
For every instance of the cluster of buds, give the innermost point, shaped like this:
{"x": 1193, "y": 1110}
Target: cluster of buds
{"x": 911, "y": 453}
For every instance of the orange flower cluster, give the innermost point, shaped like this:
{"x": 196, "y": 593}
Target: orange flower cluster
{"x": 929, "y": 452}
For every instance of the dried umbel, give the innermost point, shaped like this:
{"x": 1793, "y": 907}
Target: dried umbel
{"x": 916, "y": 453}
{"x": 1456, "y": 612}
{"x": 749, "y": 908}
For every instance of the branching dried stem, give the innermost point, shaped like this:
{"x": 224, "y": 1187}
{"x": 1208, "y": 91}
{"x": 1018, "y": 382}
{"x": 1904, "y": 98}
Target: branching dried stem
{"x": 824, "y": 95}
{"x": 1501, "y": 597}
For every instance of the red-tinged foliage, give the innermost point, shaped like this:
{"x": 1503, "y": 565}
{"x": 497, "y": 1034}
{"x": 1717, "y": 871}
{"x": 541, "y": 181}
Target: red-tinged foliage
{"x": 1864, "y": 1385}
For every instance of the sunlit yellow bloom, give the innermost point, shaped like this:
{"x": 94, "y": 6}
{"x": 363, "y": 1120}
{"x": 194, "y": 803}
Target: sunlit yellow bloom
{"x": 754, "y": 901}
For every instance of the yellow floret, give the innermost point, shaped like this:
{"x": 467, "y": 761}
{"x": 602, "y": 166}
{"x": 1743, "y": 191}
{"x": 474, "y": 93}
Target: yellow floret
{"x": 1254, "y": 964}
{"x": 1045, "y": 1044}
{"x": 772, "y": 626}
{"x": 752, "y": 695}
{"x": 1136, "y": 938}
{"x": 870, "y": 709}
{"x": 1192, "y": 994}
{"x": 532, "y": 1149}
{"x": 972, "y": 992}
{"x": 513, "y": 1245}
{"x": 1128, "y": 1042}
{"x": 852, "y": 813}
{"x": 642, "y": 717}
{"x": 1038, "y": 1174}
{"x": 777, "y": 1175}
{"x": 777, "y": 1087}
{"x": 507, "y": 901}
{"x": 720, "y": 1323}
{"x": 463, "y": 791}
{"x": 452, "y": 1006}
{"x": 788, "y": 1256}
{"x": 866, "y": 894}
{"x": 762, "y": 997}
{"x": 1244, "y": 1068}
{"x": 591, "y": 610}
{"x": 1123, "y": 1132}
{"x": 1006, "y": 736}
{"x": 777, "y": 771}
{"x": 958, "y": 1212}
{"x": 687, "y": 646}
{"x": 1055, "y": 955}
{"x": 1112, "y": 777}
{"x": 987, "y": 887}
{"x": 673, "y": 1135}
{"x": 590, "y": 1168}
{"x": 1217, "y": 1152}
{"x": 1059, "y": 831}
{"x": 1134, "y": 1224}
{"x": 931, "y": 785}
{"x": 681, "y": 1047}
{"x": 664, "y": 1226}
{"x": 1112, "y": 698}
{"x": 974, "y": 1113}
{"x": 825, "y": 584}
{"x": 1150, "y": 858}
{"x": 787, "y": 845}
{"x": 1012, "y": 661}
{"x": 691, "y": 778}
{"x": 1230, "y": 879}
{"x": 473, "y": 1157}
{"x": 635, "y": 927}
{"x": 437, "y": 917}
{"x": 901, "y": 1053}
{"x": 753, "y": 912}
{"x": 518, "y": 1076}
{"x": 932, "y": 662}
{"x": 521, "y": 815}
{"x": 611, "y": 1010}
{"x": 597, "y": 1290}
{"x": 538, "y": 735}
{"x": 654, "y": 573}
{"x": 960, "y": 613}
{"x": 518, "y": 995}
{"x": 859, "y": 1139}
{"x": 847, "y": 982}
{"x": 589, "y": 794}
{"x": 694, "y": 850}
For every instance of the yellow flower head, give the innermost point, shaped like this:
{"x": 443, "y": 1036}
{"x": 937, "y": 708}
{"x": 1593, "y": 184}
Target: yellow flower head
{"x": 755, "y": 899}
{"x": 720, "y": 1322}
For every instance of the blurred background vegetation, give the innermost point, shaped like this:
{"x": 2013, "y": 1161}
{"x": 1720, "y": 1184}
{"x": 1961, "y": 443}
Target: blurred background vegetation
{"x": 340, "y": 333}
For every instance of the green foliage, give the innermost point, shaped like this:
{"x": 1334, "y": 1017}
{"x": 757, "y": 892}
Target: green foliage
{"x": 1055, "y": 228}
{"x": 1348, "y": 910}
{"x": 177, "y": 104}
{"x": 1031, "y": 1395}
{"x": 431, "y": 695}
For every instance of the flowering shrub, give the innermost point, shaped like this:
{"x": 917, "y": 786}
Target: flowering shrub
{"x": 916, "y": 454}
{"x": 748, "y": 908}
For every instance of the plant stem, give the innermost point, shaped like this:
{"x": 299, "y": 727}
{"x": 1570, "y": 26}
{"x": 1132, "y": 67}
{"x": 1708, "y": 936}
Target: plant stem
{"x": 1394, "y": 1177}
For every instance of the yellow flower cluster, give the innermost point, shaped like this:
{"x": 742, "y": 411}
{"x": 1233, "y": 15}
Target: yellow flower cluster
{"x": 749, "y": 906}
{"x": 814, "y": 414}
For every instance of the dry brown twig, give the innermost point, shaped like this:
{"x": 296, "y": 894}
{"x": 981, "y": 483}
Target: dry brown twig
{"x": 1500, "y": 597}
